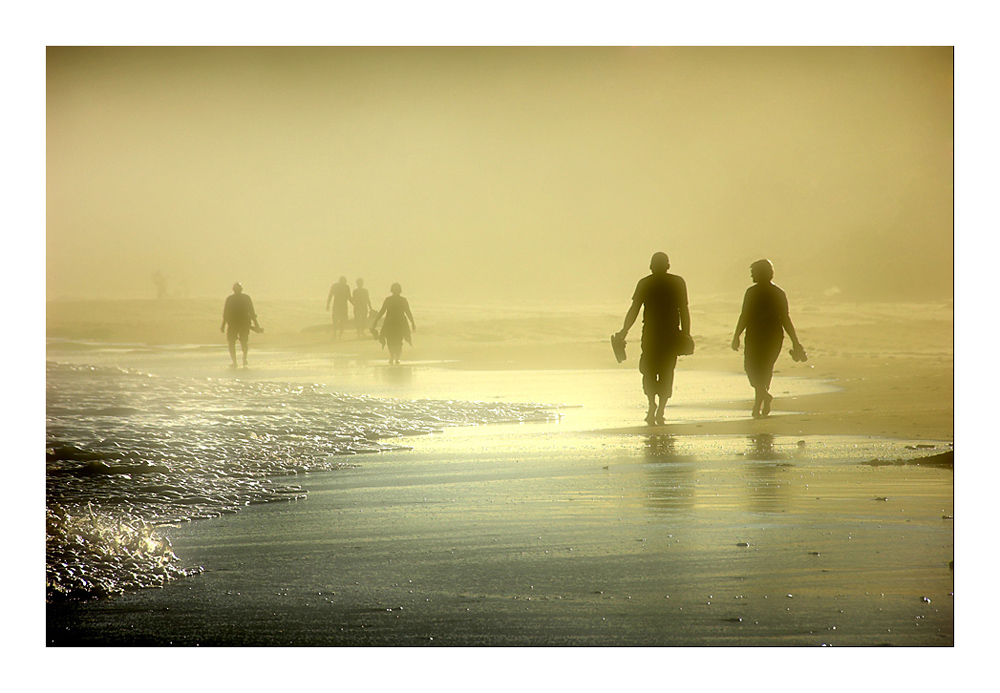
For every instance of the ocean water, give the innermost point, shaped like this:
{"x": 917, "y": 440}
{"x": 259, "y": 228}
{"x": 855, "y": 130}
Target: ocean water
{"x": 128, "y": 451}
{"x": 139, "y": 437}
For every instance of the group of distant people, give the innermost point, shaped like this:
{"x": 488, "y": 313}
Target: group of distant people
{"x": 666, "y": 328}
{"x": 666, "y": 333}
{"x": 239, "y": 316}
{"x": 341, "y": 297}
{"x": 395, "y": 308}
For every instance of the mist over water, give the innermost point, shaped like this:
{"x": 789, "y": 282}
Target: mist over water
{"x": 485, "y": 173}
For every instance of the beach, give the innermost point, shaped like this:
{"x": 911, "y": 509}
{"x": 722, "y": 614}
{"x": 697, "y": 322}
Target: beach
{"x": 829, "y": 523}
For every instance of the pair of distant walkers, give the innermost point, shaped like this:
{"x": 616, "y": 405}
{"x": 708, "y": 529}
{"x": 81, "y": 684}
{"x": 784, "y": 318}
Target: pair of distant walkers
{"x": 396, "y": 309}
{"x": 341, "y": 296}
{"x": 666, "y": 333}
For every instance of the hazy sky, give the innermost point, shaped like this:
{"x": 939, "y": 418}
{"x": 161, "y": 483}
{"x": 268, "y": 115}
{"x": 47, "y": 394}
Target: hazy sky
{"x": 471, "y": 173}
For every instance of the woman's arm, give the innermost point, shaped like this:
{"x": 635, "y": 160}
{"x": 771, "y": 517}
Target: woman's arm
{"x": 381, "y": 312}
{"x": 406, "y": 310}
{"x": 786, "y": 322}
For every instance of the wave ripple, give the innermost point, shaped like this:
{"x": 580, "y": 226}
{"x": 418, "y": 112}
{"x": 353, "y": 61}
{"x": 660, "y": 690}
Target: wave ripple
{"x": 127, "y": 451}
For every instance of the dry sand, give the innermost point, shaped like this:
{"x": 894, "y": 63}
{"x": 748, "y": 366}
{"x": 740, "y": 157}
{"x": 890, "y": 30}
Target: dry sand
{"x": 819, "y": 525}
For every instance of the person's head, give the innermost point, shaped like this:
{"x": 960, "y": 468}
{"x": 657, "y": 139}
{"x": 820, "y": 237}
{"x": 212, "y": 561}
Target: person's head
{"x": 361, "y": 282}
{"x": 659, "y": 262}
{"x": 343, "y": 280}
{"x": 237, "y": 288}
{"x": 396, "y": 289}
{"x": 762, "y": 271}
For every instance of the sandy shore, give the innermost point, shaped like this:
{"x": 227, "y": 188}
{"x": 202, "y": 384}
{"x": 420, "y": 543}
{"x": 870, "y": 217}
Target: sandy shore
{"x": 531, "y": 536}
{"x": 818, "y": 526}
{"x": 891, "y": 364}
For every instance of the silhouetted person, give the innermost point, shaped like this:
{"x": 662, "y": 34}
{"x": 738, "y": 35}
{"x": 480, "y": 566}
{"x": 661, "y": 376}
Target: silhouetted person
{"x": 765, "y": 319}
{"x": 665, "y": 322}
{"x": 340, "y": 295}
{"x": 239, "y": 315}
{"x": 362, "y": 307}
{"x": 395, "y": 328}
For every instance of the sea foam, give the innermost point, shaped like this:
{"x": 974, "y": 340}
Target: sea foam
{"x": 127, "y": 451}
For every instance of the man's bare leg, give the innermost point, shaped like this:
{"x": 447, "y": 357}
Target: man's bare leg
{"x": 765, "y": 407}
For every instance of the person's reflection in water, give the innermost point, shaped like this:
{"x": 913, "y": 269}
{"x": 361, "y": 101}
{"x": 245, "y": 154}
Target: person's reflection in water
{"x": 762, "y": 447}
{"x": 660, "y": 449}
{"x": 400, "y": 375}
{"x": 769, "y": 487}
{"x": 765, "y": 319}
{"x": 665, "y": 318}
{"x": 669, "y": 475}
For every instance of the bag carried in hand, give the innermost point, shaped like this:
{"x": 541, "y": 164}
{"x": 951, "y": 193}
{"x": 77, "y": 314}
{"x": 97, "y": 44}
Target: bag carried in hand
{"x": 685, "y": 344}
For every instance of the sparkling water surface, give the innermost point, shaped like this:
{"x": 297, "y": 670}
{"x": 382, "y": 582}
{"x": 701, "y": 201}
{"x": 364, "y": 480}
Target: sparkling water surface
{"x": 127, "y": 451}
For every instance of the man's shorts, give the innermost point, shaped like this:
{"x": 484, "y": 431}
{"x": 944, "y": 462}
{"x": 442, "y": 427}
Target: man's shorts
{"x": 242, "y": 333}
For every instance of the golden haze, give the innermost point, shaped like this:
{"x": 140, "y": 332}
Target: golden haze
{"x": 495, "y": 173}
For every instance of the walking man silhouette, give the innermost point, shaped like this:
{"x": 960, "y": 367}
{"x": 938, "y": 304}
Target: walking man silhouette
{"x": 362, "y": 308}
{"x": 666, "y": 325}
{"x": 340, "y": 296}
{"x": 239, "y": 315}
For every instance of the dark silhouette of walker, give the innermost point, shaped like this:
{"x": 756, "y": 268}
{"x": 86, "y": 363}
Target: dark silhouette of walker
{"x": 340, "y": 295}
{"x": 239, "y": 315}
{"x": 396, "y": 326}
{"x": 362, "y": 308}
{"x": 765, "y": 319}
{"x": 666, "y": 332}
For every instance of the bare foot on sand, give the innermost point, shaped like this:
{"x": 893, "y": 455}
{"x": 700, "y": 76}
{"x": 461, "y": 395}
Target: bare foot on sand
{"x": 765, "y": 408}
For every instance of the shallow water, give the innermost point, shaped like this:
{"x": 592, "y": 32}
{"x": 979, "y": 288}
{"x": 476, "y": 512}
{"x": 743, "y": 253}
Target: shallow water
{"x": 127, "y": 451}
{"x": 522, "y": 535}
{"x": 142, "y": 437}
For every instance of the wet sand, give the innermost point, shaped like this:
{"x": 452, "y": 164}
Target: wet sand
{"x": 817, "y": 526}
{"x": 535, "y": 537}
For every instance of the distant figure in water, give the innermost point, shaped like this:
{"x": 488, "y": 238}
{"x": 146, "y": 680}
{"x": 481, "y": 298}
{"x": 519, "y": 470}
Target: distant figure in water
{"x": 395, "y": 328}
{"x": 362, "y": 308}
{"x": 239, "y": 315}
{"x": 765, "y": 319}
{"x": 666, "y": 323}
{"x": 340, "y": 295}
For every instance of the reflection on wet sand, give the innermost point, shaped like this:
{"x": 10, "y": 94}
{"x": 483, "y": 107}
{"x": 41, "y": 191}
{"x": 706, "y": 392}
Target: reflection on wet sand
{"x": 396, "y": 375}
{"x": 764, "y": 475}
{"x": 675, "y": 477}
{"x": 761, "y": 447}
{"x": 670, "y": 475}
